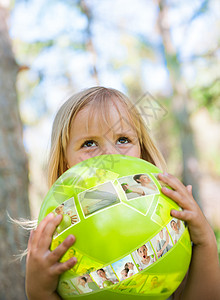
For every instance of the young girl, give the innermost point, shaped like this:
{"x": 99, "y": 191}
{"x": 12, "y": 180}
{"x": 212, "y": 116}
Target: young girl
{"x": 130, "y": 267}
{"x": 103, "y": 121}
{"x": 177, "y": 229}
{"x": 124, "y": 274}
{"x": 146, "y": 259}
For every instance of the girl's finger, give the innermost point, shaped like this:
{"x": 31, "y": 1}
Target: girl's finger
{"x": 60, "y": 268}
{"x": 172, "y": 181}
{"x": 184, "y": 215}
{"x": 57, "y": 253}
{"x": 176, "y": 196}
{"x": 47, "y": 233}
{"x": 40, "y": 228}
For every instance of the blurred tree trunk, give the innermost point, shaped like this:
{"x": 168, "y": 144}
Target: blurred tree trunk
{"x": 13, "y": 172}
{"x": 89, "y": 44}
{"x": 180, "y": 103}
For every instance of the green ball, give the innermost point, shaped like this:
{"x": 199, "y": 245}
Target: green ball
{"x": 127, "y": 190}
{"x": 107, "y": 283}
{"x": 128, "y": 236}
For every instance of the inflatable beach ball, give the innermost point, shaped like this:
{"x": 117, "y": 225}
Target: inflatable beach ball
{"x": 127, "y": 244}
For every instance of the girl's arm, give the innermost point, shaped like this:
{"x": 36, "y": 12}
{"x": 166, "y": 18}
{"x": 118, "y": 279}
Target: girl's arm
{"x": 203, "y": 279}
{"x": 133, "y": 189}
{"x": 137, "y": 190}
{"x": 160, "y": 252}
{"x": 42, "y": 265}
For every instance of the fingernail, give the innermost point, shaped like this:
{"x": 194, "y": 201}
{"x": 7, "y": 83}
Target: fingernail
{"x": 173, "y": 213}
{"x": 71, "y": 239}
{"x": 73, "y": 260}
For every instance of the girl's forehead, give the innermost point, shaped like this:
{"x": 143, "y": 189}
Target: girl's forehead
{"x": 109, "y": 117}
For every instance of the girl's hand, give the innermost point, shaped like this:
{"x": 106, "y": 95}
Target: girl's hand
{"x": 200, "y": 231}
{"x": 42, "y": 265}
{"x": 159, "y": 253}
{"x": 74, "y": 218}
{"x": 202, "y": 280}
{"x": 125, "y": 187}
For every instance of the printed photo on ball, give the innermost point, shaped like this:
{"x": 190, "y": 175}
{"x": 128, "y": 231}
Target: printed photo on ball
{"x": 67, "y": 288}
{"x": 162, "y": 242}
{"x": 98, "y": 198}
{"x": 138, "y": 185}
{"x": 144, "y": 256}
{"x": 176, "y": 229}
{"x": 70, "y": 215}
{"x": 84, "y": 284}
{"x": 125, "y": 267}
{"x": 104, "y": 277}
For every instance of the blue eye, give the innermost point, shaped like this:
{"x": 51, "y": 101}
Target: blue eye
{"x": 89, "y": 144}
{"x": 123, "y": 140}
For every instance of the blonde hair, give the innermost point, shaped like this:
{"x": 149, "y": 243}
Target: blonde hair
{"x": 98, "y": 98}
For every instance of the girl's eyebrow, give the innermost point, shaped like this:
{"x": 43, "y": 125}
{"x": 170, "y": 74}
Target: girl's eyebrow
{"x": 95, "y": 137}
{"x": 125, "y": 132}
{"x": 85, "y": 138}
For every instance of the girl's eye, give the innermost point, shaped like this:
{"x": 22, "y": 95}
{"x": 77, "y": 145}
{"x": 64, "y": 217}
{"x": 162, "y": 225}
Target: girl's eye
{"x": 123, "y": 140}
{"x": 88, "y": 144}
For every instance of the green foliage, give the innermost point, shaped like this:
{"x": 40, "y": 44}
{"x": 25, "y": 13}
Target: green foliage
{"x": 209, "y": 97}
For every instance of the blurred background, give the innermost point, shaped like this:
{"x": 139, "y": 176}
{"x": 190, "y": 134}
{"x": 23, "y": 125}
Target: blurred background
{"x": 164, "y": 52}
